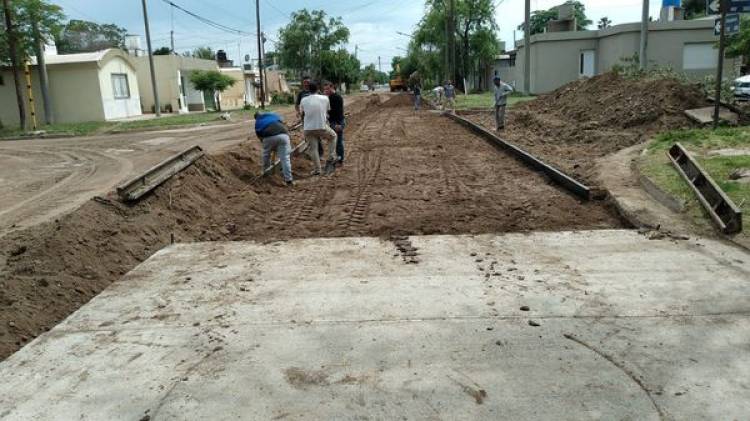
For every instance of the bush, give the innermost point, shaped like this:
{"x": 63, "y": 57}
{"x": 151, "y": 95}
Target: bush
{"x": 282, "y": 98}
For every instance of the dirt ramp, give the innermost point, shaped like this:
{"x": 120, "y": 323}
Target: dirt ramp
{"x": 400, "y": 100}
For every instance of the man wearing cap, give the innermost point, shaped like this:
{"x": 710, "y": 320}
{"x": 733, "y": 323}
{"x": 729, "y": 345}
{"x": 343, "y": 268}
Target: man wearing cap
{"x": 502, "y": 90}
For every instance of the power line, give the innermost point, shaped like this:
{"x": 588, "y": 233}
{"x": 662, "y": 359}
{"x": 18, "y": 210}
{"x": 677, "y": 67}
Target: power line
{"x": 207, "y": 21}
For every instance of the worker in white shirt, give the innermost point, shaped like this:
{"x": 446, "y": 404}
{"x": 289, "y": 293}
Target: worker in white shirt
{"x": 314, "y": 109}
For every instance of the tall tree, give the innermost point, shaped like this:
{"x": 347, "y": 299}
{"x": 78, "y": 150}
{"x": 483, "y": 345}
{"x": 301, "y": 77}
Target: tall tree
{"x": 340, "y": 67}
{"x": 694, "y": 9}
{"x": 738, "y": 45}
{"x": 303, "y": 40}
{"x": 205, "y": 53}
{"x": 540, "y": 18}
{"x": 81, "y": 36}
{"x": 163, "y": 51}
{"x": 212, "y": 81}
{"x": 604, "y": 23}
{"x": 35, "y": 22}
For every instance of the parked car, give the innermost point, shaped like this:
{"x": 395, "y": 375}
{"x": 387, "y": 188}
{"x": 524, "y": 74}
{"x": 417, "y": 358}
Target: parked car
{"x": 741, "y": 88}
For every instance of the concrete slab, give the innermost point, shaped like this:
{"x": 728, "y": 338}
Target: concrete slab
{"x": 345, "y": 329}
{"x": 705, "y": 115}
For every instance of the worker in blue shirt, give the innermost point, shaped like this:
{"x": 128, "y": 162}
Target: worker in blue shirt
{"x": 272, "y": 132}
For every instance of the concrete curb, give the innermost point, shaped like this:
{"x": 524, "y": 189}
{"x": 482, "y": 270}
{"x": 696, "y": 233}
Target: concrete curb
{"x": 657, "y": 193}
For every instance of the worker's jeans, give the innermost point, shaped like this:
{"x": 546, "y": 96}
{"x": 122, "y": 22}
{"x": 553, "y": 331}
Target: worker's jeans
{"x": 417, "y": 101}
{"x": 499, "y": 116}
{"x": 315, "y": 138}
{"x": 450, "y": 103}
{"x": 283, "y": 147}
{"x": 339, "y": 140}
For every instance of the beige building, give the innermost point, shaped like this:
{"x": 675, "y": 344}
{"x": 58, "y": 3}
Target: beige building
{"x": 96, "y": 86}
{"x": 558, "y": 58}
{"x": 176, "y": 93}
{"x": 242, "y": 92}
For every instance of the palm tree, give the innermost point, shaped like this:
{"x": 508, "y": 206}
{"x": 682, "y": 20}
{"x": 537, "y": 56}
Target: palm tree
{"x": 604, "y": 23}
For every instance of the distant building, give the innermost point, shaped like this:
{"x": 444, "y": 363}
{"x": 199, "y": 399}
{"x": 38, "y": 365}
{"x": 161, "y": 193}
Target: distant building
{"x": 558, "y": 58}
{"x": 176, "y": 93}
{"x": 96, "y": 86}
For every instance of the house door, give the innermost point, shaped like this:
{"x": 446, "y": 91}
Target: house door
{"x": 588, "y": 59}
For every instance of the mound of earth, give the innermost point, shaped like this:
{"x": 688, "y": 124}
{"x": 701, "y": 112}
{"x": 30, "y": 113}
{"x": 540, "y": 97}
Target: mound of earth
{"x": 587, "y": 119}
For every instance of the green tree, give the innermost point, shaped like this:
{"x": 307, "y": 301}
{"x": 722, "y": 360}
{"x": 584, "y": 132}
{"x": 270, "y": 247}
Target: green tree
{"x": 205, "y": 53}
{"x": 340, "y": 67}
{"x": 477, "y": 41}
{"x": 370, "y": 74}
{"x": 540, "y": 18}
{"x": 694, "y": 9}
{"x": 34, "y": 23}
{"x": 738, "y": 45}
{"x": 33, "y": 20}
{"x": 604, "y": 23}
{"x": 303, "y": 41}
{"x": 81, "y": 36}
{"x": 163, "y": 51}
{"x": 211, "y": 81}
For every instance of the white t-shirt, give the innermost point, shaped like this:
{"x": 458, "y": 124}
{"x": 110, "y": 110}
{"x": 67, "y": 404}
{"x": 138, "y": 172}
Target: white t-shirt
{"x": 316, "y": 108}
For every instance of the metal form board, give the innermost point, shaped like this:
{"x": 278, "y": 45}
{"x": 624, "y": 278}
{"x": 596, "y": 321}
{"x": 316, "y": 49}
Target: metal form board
{"x": 144, "y": 183}
{"x": 724, "y": 213}
{"x": 553, "y": 173}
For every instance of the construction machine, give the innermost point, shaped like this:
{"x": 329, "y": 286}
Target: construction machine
{"x": 398, "y": 83}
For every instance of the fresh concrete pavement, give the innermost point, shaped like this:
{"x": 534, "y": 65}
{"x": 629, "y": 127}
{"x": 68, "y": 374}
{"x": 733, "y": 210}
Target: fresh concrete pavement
{"x": 629, "y": 328}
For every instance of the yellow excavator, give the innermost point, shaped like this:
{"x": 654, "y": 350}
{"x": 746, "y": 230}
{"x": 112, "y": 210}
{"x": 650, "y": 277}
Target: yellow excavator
{"x": 398, "y": 83}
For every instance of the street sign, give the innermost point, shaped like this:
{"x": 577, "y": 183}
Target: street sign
{"x": 714, "y": 7}
{"x": 739, "y": 6}
{"x": 733, "y": 25}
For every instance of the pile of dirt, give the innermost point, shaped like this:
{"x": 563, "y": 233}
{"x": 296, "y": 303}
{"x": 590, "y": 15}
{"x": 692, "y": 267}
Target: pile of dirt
{"x": 587, "y": 119}
{"x": 405, "y": 173}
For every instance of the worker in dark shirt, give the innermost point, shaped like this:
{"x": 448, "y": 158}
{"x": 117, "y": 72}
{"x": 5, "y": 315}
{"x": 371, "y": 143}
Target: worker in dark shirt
{"x": 336, "y": 119}
{"x": 302, "y": 93}
{"x": 272, "y": 132}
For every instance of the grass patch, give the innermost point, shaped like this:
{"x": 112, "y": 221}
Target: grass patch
{"x": 655, "y": 165}
{"x": 167, "y": 121}
{"x": 73, "y": 129}
{"x": 487, "y": 100}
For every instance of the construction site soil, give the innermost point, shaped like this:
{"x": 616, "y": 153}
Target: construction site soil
{"x": 585, "y": 120}
{"x": 406, "y": 172}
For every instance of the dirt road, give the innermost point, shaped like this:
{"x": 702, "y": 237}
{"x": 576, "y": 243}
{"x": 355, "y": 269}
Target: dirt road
{"x": 40, "y": 179}
{"x": 405, "y": 173}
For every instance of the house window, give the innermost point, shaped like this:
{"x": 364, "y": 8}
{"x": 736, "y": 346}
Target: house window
{"x": 120, "y": 86}
{"x": 700, "y": 56}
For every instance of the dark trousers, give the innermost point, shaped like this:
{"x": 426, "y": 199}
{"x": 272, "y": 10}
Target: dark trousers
{"x": 339, "y": 139}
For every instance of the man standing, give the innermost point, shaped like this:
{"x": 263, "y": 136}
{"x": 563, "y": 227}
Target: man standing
{"x": 270, "y": 129}
{"x": 314, "y": 108}
{"x": 336, "y": 119}
{"x": 502, "y": 90}
{"x": 438, "y": 91}
{"x": 450, "y": 95}
{"x": 303, "y": 93}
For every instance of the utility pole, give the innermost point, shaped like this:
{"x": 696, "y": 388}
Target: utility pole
{"x": 643, "y": 56}
{"x": 447, "y": 43}
{"x": 14, "y": 64}
{"x": 527, "y": 50}
{"x": 356, "y": 50}
{"x": 171, "y": 40}
{"x": 260, "y": 58}
{"x": 41, "y": 63}
{"x": 380, "y": 67}
{"x": 157, "y": 105}
{"x": 720, "y": 70}
{"x": 263, "y": 54}
{"x": 452, "y": 41}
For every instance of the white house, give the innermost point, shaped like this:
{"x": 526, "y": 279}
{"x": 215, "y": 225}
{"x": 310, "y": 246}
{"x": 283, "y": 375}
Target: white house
{"x": 94, "y": 86}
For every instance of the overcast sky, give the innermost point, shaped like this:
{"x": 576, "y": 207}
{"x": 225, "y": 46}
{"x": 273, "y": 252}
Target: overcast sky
{"x": 374, "y": 24}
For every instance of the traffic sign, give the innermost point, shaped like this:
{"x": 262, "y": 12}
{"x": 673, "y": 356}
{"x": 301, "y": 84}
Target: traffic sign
{"x": 739, "y": 6}
{"x": 733, "y": 25}
{"x": 714, "y": 7}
